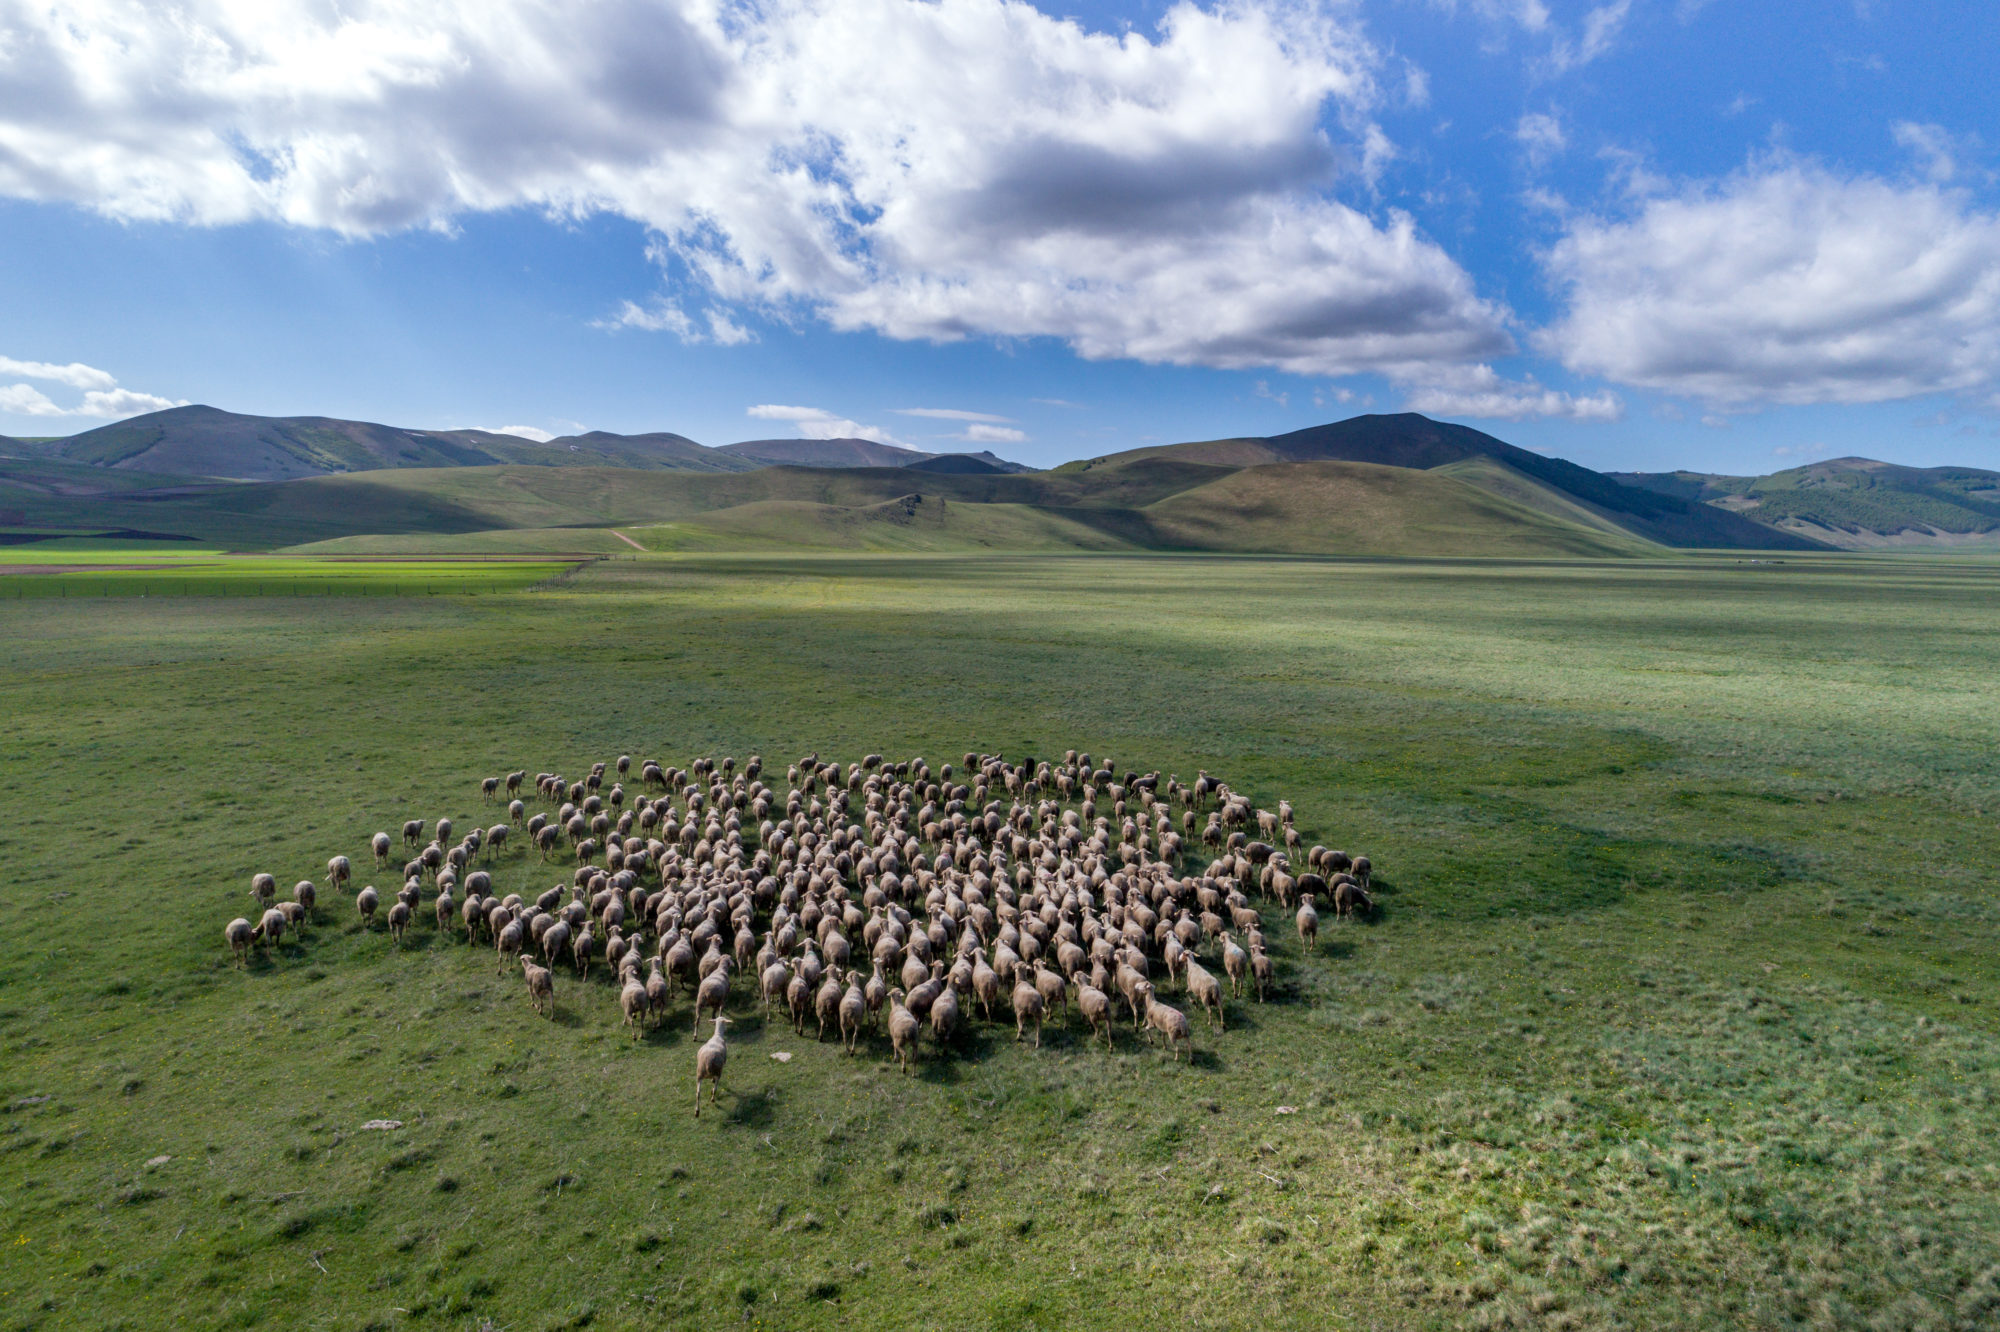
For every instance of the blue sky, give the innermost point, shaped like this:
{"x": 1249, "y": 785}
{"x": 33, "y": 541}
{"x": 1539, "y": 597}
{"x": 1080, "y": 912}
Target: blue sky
{"x": 1639, "y": 234}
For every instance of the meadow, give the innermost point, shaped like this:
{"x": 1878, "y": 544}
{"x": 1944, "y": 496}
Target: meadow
{"x": 1680, "y": 1010}
{"x": 71, "y": 569}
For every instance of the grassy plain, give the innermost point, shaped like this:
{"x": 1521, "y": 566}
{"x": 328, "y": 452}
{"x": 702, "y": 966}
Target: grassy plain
{"x": 67, "y": 572}
{"x": 1681, "y": 1010}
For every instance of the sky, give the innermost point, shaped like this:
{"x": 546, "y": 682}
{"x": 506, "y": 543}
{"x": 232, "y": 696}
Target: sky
{"x": 1641, "y": 234}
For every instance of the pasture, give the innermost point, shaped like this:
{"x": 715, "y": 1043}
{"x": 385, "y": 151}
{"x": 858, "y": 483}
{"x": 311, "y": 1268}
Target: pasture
{"x": 1680, "y": 1010}
{"x": 77, "y": 568}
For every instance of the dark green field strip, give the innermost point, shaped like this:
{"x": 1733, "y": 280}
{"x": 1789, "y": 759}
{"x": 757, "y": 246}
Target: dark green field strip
{"x": 292, "y": 578}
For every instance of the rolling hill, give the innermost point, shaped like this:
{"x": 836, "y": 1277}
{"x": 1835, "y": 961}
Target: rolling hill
{"x": 1409, "y": 440}
{"x": 208, "y": 442}
{"x": 1400, "y": 485}
{"x": 1854, "y": 503}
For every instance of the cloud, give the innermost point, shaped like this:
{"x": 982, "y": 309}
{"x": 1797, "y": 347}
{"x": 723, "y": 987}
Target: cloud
{"x": 949, "y": 414}
{"x": 1785, "y": 283}
{"x": 1805, "y": 451}
{"x": 994, "y": 434}
{"x": 923, "y": 170}
{"x": 1056, "y": 402}
{"x": 27, "y": 400}
{"x": 1541, "y": 138}
{"x": 76, "y": 374}
{"x": 123, "y": 403}
{"x": 663, "y": 315}
{"x": 1935, "y": 149}
{"x": 1531, "y": 15}
{"x": 102, "y": 397}
{"x": 817, "y": 423}
{"x": 532, "y": 433}
{"x": 1480, "y": 391}
{"x": 1599, "y": 34}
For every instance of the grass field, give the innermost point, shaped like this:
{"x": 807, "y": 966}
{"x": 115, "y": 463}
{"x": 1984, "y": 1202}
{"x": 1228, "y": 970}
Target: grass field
{"x": 1681, "y": 1011}
{"x": 72, "y": 571}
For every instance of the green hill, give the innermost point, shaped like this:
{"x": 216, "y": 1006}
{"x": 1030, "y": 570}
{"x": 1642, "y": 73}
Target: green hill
{"x": 1409, "y": 440}
{"x": 207, "y": 442}
{"x": 1850, "y": 502}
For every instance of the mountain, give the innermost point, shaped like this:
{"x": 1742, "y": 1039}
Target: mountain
{"x": 862, "y": 453}
{"x": 1145, "y": 504}
{"x": 822, "y": 453}
{"x": 1409, "y": 440}
{"x": 205, "y": 441}
{"x": 1850, "y": 502}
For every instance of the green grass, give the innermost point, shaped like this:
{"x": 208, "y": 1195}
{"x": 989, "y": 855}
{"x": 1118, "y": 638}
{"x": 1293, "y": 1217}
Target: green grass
{"x": 1680, "y": 1012}
{"x": 74, "y": 573}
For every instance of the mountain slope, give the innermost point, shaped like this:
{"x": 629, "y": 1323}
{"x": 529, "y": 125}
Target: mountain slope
{"x": 205, "y": 441}
{"x": 1409, "y": 440}
{"x": 822, "y": 453}
{"x": 1851, "y": 502}
{"x": 1357, "y": 508}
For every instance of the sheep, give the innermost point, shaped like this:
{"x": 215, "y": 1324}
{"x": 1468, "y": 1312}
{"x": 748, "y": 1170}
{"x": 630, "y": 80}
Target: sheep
{"x": 1027, "y": 1008}
{"x": 1054, "y": 990}
{"x": 1171, "y": 1023}
{"x": 239, "y": 935}
{"x": 271, "y": 929}
{"x": 338, "y": 871}
{"x": 1204, "y": 989}
{"x": 1351, "y": 899}
{"x": 264, "y": 887}
{"x": 985, "y": 986}
{"x": 853, "y": 1012}
{"x": 541, "y": 985}
{"x": 305, "y": 894}
{"x": 1260, "y": 971}
{"x": 489, "y": 787}
{"x": 508, "y": 941}
{"x": 1094, "y": 1004}
{"x": 708, "y": 1064}
{"x": 713, "y": 992}
{"x": 944, "y": 1016}
{"x": 1308, "y": 923}
{"x": 1235, "y": 962}
{"x": 826, "y": 1004}
{"x": 365, "y": 902}
{"x": 903, "y": 1030}
{"x": 656, "y": 990}
{"x": 399, "y": 920}
{"x": 413, "y": 832}
{"x": 633, "y": 1001}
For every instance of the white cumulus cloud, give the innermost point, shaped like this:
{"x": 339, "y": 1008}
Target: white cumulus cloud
{"x": 1481, "y": 391}
{"x": 817, "y": 423}
{"x": 101, "y": 398}
{"x": 27, "y": 400}
{"x": 76, "y": 374}
{"x": 978, "y": 433}
{"x": 934, "y": 170}
{"x": 1786, "y": 283}
{"x": 530, "y": 433}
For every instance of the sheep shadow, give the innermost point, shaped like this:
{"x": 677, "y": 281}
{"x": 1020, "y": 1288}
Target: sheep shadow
{"x": 752, "y": 1109}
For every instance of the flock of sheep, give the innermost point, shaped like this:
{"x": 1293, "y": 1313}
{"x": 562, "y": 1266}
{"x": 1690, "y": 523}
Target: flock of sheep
{"x": 1024, "y": 890}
